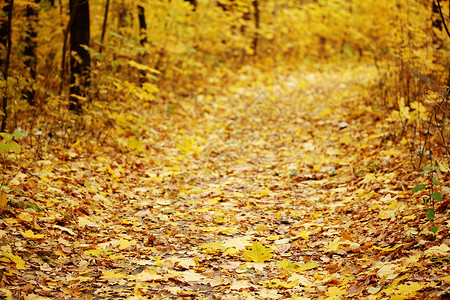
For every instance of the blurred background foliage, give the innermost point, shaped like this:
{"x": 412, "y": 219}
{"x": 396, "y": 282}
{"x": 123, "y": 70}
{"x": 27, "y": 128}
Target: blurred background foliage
{"x": 189, "y": 45}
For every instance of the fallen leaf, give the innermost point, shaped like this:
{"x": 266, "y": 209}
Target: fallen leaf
{"x": 3, "y": 201}
{"x": 258, "y": 253}
{"x": 438, "y": 251}
{"x": 31, "y": 235}
{"x": 240, "y": 285}
{"x": 20, "y": 263}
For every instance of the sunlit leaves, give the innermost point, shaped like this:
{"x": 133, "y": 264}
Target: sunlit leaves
{"x": 258, "y": 253}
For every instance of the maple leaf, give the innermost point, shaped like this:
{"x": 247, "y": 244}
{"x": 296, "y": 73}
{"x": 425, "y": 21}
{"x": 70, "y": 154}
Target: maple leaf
{"x": 20, "y": 263}
{"x": 258, "y": 253}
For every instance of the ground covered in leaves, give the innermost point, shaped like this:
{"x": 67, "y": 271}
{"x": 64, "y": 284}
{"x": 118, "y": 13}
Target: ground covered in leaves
{"x": 263, "y": 186}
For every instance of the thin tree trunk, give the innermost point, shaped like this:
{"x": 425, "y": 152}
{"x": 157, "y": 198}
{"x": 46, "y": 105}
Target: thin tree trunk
{"x": 142, "y": 25}
{"x": 30, "y": 50}
{"x": 79, "y": 65}
{"x": 105, "y": 19}
{"x": 4, "y": 30}
{"x": 64, "y": 50}
{"x": 6, "y": 65}
{"x": 257, "y": 25}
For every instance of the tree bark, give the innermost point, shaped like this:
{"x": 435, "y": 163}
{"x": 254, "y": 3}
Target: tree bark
{"x": 80, "y": 59}
{"x": 4, "y": 31}
{"x": 142, "y": 25}
{"x": 257, "y": 25}
{"x": 105, "y": 20}
{"x": 5, "y": 62}
{"x": 30, "y": 50}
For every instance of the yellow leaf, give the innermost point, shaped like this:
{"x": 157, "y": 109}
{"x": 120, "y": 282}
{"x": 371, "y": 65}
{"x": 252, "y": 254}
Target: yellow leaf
{"x": 212, "y": 247}
{"x": 31, "y": 235}
{"x": 264, "y": 193}
{"x": 404, "y": 111}
{"x": 334, "y": 245}
{"x": 238, "y": 243}
{"x": 258, "y": 253}
{"x": 409, "y": 289}
{"x": 299, "y": 279}
{"x": 409, "y": 218}
{"x": 446, "y": 278}
{"x": 124, "y": 244}
{"x": 82, "y": 278}
{"x": 336, "y": 291}
{"x": 20, "y": 263}
{"x": 286, "y": 264}
{"x": 3, "y": 200}
{"x": 304, "y": 234}
{"x": 307, "y": 266}
{"x": 240, "y": 285}
{"x": 110, "y": 274}
{"x": 388, "y": 249}
{"x": 82, "y": 222}
{"x": 147, "y": 275}
{"x": 278, "y": 283}
{"x": 26, "y": 217}
{"x": 230, "y": 251}
{"x": 187, "y": 263}
{"x": 346, "y": 236}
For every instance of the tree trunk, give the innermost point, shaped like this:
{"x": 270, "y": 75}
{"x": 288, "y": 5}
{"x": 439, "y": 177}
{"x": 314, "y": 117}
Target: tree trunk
{"x": 30, "y": 50}
{"x": 142, "y": 25}
{"x": 80, "y": 59}
{"x": 4, "y": 32}
{"x": 6, "y": 35}
{"x": 256, "y": 17}
{"x": 105, "y": 20}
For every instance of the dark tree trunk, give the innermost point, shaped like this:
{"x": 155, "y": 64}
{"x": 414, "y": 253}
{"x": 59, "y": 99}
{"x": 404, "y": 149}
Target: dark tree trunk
{"x": 4, "y": 29}
{"x": 6, "y": 35}
{"x": 142, "y": 25}
{"x": 105, "y": 20}
{"x": 80, "y": 59}
{"x": 30, "y": 50}
{"x": 256, "y": 16}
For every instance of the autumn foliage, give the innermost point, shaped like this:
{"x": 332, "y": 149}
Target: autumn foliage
{"x": 224, "y": 149}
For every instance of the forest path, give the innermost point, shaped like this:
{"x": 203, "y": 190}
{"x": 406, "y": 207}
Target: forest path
{"x": 270, "y": 187}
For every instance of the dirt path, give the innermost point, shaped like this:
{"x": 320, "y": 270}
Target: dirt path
{"x": 270, "y": 187}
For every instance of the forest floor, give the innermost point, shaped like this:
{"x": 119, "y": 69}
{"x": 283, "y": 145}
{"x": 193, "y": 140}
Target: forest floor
{"x": 267, "y": 186}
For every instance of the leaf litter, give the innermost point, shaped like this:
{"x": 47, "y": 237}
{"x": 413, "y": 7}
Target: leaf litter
{"x": 270, "y": 186}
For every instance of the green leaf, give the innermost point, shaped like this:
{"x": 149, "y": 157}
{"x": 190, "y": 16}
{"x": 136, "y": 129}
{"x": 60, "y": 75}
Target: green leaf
{"x": 13, "y": 146}
{"x": 419, "y": 188}
{"x": 33, "y": 207}
{"x": 435, "y": 181}
{"x": 430, "y": 214}
{"x": 426, "y": 168}
{"x": 437, "y": 196}
{"x": 434, "y": 229}
{"x": 17, "y": 134}
{"x": 6, "y": 136}
{"x": 3, "y": 147}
